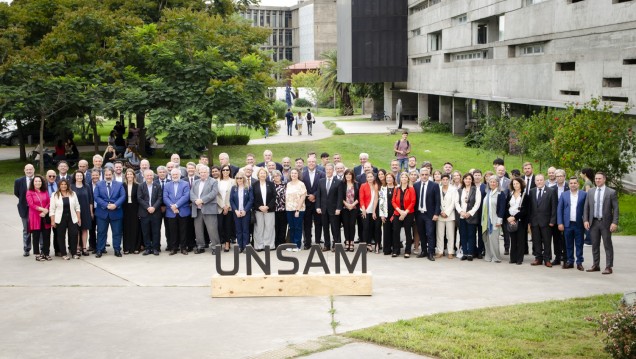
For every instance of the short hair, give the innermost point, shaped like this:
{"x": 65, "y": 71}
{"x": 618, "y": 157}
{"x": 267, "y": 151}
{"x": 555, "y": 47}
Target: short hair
{"x": 477, "y": 171}
{"x": 527, "y": 164}
{"x": 448, "y": 163}
{"x": 249, "y": 155}
{"x": 62, "y": 162}
{"x": 329, "y": 165}
{"x": 276, "y": 173}
{"x": 424, "y": 169}
{"x": 602, "y": 174}
{"x": 118, "y": 163}
{"x": 108, "y": 169}
{"x": 191, "y": 164}
{"x": 299, "y": 159}
{"x": 515, "y": 173}
{"x": 413, "y": 157}
{"x": 573, "y": 178}
{"x": 445, "y": 175}
{"x": 364, "y": 155}
{"x": 204, "y": 156}
{"x": 175, "y": 171}
{"x": 559, "y": 171}
{"x": 98, "y": 157}
{"x": 223, "y": 155}
{"x": 267, "y": 152}
{"x": 324, "y": 155}
{"x": 204, "y": 168}
{"x": 498, "y": 161}
{"x": 163, "y": 168}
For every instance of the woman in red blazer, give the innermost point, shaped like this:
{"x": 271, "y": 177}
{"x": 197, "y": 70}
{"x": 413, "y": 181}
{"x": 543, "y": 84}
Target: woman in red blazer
{"x": 404, "y": 205}
{"x": 371, "y": 224}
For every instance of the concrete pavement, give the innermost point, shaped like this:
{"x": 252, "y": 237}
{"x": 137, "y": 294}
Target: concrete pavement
{"x": 146, "y": 306}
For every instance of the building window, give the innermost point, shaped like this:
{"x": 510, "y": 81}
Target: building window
{"x": 612, "y": 82}
{"x": 435, "y": 41}
{"x": 565, "y": 66}
{"x": 416, "y": 32}
{"x": 288, "y": 38}
{"x": 570, "y": 92}
{"x": 423, "y": 5}
{"x": 615, "y": 98}
{"x": 533, "y": 2}
{"x": 288, "y": 54}
{"x": 502, "y": 27}
{"x": 535, "y": 49}
{"x": 467, "y": 56}
{"x": 482, "y": 34}
{"x": 629, "y": 61}
{"x": 574, "y": 1}
{"x": 461, "y": 19}
{"x": 422, "y": 60}
{"x": 620, "y": 1}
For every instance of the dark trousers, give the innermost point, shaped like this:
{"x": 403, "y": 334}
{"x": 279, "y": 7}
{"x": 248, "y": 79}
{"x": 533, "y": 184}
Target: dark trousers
{"x": 349, "y": 218}
{"x": 242, "y": 226}
{"x": 190, "y": 236}
{"x": 467, "y": 236}
{"x": 290, "y": 125}
{"x": 541, "y": 243}
{"x": 480, "y": 248}
{"x": 518, "y": 243}
{"x": 371, "y": 230}
{"x": 426, "y": 230}
{"x": 225, "y": 223}
{"x": 92, "y": 235}
{"x": 558, "y": 243}
{"x": 407, "y": 224}
{"x": 311, "y": 217}
{"x": 45, "y": 234}
{"x": 598, "y": 231}
{"x": 151, "y": 231}
{"x": 280, "y": 227}
{"x": 102, "y": 233}
{"x": 66, "y": 226}
{"x": 360, "y": 224}
{"x": 387, "y": 235}
{"x": 178, "y": 232}
{"x": 55, "y": 244}
{"x": 330, "y": 221}
{"x": 574, "y": 240}
{"x": 506, "y": 236}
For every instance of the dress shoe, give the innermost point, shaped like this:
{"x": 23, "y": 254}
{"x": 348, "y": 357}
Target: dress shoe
{"x": 556, "y": 262}
{"x": 146, "y": 252}
{"x": 470, "y": 258}
{"x": 98, "y": 255}
{"x": 464, "y": 258}
{"x": 536, "y": 262}
{"x": 519, "y": 263}
{"x": 26, "y": 254}
{"x": 506, "y": 252}
{"x": 213, "y": 251}
{"x": 173, "y": 252}
{"x": 117, "y": 254}
{"x": 326, "y": 249}
{"x": 184, "y": 252}
{"x": 548, "y": 264}
{"x": 199, "y": 250}
{"x": 568, "y": 265}
{"x": 594, "y": 269}
{"x": 608, "y": 270}
{"x": 431, "y": 258}
{"x": 479, "y": 256}
{"x": 580, "y": 267}
{"x": 155, "y": 252}
{"x": 451, "y": 256}
{"x": 422, "y": 255}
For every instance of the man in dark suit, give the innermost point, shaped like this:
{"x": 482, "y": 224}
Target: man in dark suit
{"x": 543, "y": 209}
{"x": 528, "y": 176}
{"x": 191, "y": 178}
{"x": 427, "y": 209}
{"x": 329, "y": 204}
{"x": 163, "y": 178}
{"x": 176, "y": 197}
{"x": 570, "y": 221}
{"x": 267, "y": 157}
{"x": 62, "y": 168}
{"x": 204, "y": 210}
{"x": 224, "y": 159}
{"x": 150, "y": 198}
{"x": 109, "y": 197}
{"x": 311, "y": 178}
{"x": 558, "y": 239}
{"x": 144, "y": 165}
{"x": 364, "y": 158}
{"x": 600, "y": 217}
{"x": 20, "y": 187}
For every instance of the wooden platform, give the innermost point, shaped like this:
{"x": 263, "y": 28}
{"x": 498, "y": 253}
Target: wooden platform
{"x": 291, "y": 285}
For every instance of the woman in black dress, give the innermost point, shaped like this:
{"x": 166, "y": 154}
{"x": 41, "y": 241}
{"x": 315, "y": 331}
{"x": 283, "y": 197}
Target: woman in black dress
{"x": 132, "y": 242}
{"x": 280, "y": 221}
{"x": 85, "y": 198}
{"x": 350, "y": 209}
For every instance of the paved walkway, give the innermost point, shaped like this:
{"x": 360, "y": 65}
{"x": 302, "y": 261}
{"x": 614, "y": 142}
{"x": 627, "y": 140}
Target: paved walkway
{"x": 146, "y": 306}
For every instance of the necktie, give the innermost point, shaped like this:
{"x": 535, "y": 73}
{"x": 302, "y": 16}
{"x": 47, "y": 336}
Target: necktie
{"x": 597, "y": 204}
{"x": 539, "y": 196}
{"x": 527, "y": 185}
{"x": 162, "y": 183}
{"x": 423, "y": 197}
{"x": 191, "y": 182}
{"x": 328, "y": 184}
{"x": 108, "y": 189}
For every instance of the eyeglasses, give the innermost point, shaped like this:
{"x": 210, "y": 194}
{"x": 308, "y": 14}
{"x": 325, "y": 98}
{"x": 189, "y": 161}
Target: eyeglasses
{"x": 51, "y": 176}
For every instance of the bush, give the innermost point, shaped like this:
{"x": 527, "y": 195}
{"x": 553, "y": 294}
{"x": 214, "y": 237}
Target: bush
{"x": 620, "y": 328}
{"x": 227, "y": 137}
{"x": 338, "y": 131}
{"x": 473, "y": 139}
{"x": 301, "y": 102}
{"x": 330, "y": 124}
{"x": 280, "y": 108}
{"x": 435, "y": 127}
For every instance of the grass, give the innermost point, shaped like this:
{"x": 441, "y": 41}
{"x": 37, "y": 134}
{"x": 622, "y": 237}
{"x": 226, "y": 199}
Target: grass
{"x": 553, "y": 329}
{"x": 434, "y": 147}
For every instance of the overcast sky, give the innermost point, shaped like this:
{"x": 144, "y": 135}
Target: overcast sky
{"x": 279, "y": 2}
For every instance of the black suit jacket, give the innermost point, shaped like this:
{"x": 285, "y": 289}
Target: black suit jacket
{"x": 144, "y": 202}
{"x": 278, "y": 166}
{"x": 270, "y": 196}
{"x": 329, "y": 201}
{"x": 531, "y": 184}
{"x": 543, "y": 213}
{"x": 317, "y": 177}
{"x": 433, "y": 198}
{"x": 357, "y": 170}
{"x": 20, "y": 190}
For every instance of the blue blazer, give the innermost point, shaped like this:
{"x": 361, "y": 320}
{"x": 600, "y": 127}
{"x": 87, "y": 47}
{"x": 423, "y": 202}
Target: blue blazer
{"x": 117, "y": 196}
{"x": 20, "y": 190}
{"x": 248, "y": 198}
{"x": 433, "y": 198}
{"x": 563, "y": 208}
{"x": 317, "y": 177}
{"x": 182, "y": 199}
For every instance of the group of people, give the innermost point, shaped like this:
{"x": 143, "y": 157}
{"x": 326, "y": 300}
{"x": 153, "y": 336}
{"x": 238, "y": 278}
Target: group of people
{"x": 296, "y": 122}
{"x": 313, "y": 200}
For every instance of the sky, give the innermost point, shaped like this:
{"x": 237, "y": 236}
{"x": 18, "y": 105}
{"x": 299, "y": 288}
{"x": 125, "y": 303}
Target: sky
{"x": 279, "y": 2}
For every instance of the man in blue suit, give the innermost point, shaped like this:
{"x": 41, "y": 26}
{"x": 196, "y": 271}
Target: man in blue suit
{"x": 311, "y": 177}
{"x": 427, "y": 209}
{"x": 570, "y": 221}
{"x": 109, "y": 197}
{"x": 176, "y": 197}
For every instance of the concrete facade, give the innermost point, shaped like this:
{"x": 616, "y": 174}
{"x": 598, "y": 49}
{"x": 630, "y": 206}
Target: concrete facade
{"x": 279, "y": 20}
{"x": 524, "y": 53}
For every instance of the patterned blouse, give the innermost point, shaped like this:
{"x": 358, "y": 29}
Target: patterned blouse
{"x": 280, "y": 197}
{"x": 293, "y": 194}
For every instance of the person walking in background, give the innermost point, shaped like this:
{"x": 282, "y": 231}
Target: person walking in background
{"x": 299, "y": 123}
{"x": 289, "y": 117}
{"x": 310, "y": 122}
{"x": 601, "y": 218}
{"x": 65, "y": 218}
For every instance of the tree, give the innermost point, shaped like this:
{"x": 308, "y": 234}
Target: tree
{"x": 329, "y": 82}
{"x": 309, "y": 80}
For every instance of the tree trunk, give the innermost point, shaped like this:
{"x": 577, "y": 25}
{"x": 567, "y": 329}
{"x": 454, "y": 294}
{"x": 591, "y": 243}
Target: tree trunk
{"x": 42, "y": 120}
{"x": 23, "y": 156}
{"x": 141, "y": 125}
{"x": 346, "y": 103}
{"x": 93, "y": 124}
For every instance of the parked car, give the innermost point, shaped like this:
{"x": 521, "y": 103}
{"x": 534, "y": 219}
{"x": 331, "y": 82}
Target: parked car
{"x": 9, "y": 134}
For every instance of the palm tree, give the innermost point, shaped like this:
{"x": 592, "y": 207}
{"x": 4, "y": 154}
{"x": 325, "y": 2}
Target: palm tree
{"x": 329, "y": 81}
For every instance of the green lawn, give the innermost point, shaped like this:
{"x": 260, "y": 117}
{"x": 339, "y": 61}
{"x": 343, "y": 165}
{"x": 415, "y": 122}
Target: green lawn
{"x": 554, "y": 329}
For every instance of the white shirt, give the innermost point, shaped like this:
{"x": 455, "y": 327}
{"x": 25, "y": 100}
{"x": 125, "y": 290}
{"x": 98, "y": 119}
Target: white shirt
{"x": 600, "y": 202}
{"x": 422, "y": 195}
{"x": 311, "y": 177}
{"x": 130, "y": 193}
{"x": 264, "y": 192}
{"x": 574, "y": 198}
{"x": 149, "y": 193}
{"x": 514, "y": 205}
{"x": 201, "y": 184}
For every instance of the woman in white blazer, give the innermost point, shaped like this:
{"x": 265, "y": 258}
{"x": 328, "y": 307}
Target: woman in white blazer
{"x": 446, "y": 219}
{"x": 65, "y": 216}
{"x": 224, "y": 217}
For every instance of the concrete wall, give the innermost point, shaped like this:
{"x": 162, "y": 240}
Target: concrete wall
{"x": 325, "y": 27}
{"x": 306, "y": 33}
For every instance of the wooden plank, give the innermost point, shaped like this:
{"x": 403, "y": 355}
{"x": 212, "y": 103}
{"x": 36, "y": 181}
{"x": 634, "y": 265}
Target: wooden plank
{"x": 291, "y": 285}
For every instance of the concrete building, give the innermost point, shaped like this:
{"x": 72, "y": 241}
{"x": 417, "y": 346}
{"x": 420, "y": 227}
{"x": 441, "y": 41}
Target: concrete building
{"x": 300, "y": 32}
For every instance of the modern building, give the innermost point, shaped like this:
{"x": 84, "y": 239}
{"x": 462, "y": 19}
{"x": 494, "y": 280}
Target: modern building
{"x": 466, "y": 57}
{"x": 279, "y": 20}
